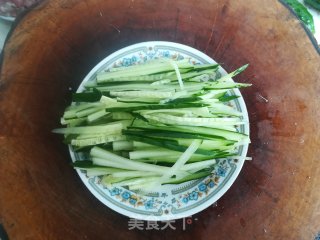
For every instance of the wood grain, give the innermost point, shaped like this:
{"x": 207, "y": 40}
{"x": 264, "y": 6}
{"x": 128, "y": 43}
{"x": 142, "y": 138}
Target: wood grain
{"x": 52, "y": 48}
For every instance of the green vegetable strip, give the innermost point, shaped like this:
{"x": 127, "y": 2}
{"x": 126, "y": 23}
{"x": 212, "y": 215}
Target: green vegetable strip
{"x": 190, "y": 177}
{"x": 233, "y": 74}
{"x": 302, "y": 13}
{"x": 106, "y": 158}
{"x": 182, "y": 159}
{"x": 143, "y": 69}
{"x": 313, "y": 3}
{"x": 170, "y": 136}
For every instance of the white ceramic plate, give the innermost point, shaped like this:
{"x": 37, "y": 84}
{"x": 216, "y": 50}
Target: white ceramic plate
{"x": 173, "y": 201}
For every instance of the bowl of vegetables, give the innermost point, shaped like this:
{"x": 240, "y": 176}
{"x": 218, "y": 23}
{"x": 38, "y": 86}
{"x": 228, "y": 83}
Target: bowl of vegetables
{"x": 54, "y": 46}
{"x": 157, "y": 130}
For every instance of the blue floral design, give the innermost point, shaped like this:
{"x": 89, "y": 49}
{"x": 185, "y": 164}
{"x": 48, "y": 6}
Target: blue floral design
{"x": 202, "y": 187}
{"x": 149, "y": 204}
{"x": 126, "y": 195}
{"x": 193, "y": 196}
{"x": 166, "y": 54}
{"x": 164, "y": 195}
{"x": 221, "y": 172}
{"x": 134, "y": 59}
{"x": 114, "y": 191}
{"x": 211, "y": 184}
{"x": 185, "y": 200}
{"x": 126, "y": 62}
{"x": 173, "y": 200}
{"x": 180, "y": 57}
{"x": 151, "y": 55}
{"x": 133, "y": 201}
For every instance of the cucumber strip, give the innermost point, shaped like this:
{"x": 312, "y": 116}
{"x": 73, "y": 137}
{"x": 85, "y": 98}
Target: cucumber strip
{"x": 121, "y": 116}
{"x": 101, "y": 120}
{"x": 106, "y": 158}
{"x": 88, "y": 165}
{"x": 97, "y": 140}
{"x": 202, "y": 78}
{"x": 107, "y": 100}
{"x": 213, "y": 94}
{"x": 138, "y": 100}
{"x": 91, "y": 84}
{"x": 90, "y": 96}
{"x": 190, "y": 76}
{"x": 142, "y": 94}
{"x": 185, "y": 74}
{"x": 194, "y": 176}
{"x": 210, "y": 101}
{"x": 173, "y": 158}
{"x": 232, "y": 74}
{"x": 133, "y": 165}
{"x": 94, "y": 116}
{"x": 222, "y": 123}
{"x": 198, "y": 165}
{"x": 99, "y": 172}
{"x": 201, "y": 111}
{"x": 219, "y": 108}
{"x": 176, "y": 95}
{"x": 141, "y": 69}
{"x": 164, "y": 143}
{"x": 89, "y": 111}
{"x": 210, "y": 144}
{"x": 314, "y": 4}
{"x": 110, "y": 128}
{"x": 141, "y": 145}
{"x": 87, "y": 136}
{"x": 226, "y": 85}
{"x": 169, "y": 134}
{"x": 161, "y": 82}
{"x": 185, "y": 99}
{"x": 134, "y": 181}
{"x": 73, "y": 121}
{"x": 226, "y": 97}
{"x": 150, "y": 63}
{"x": 81, "y": 106}
{"x": 242, "y": 142}
{"x": 142, "y": 78}
{"x": 122, "y": 145}
{"x": 134, "y": 174}
{"x": 135, "y": 86}
{"x": 134, "y": 107}
{"x": 211, "y": 66}
{"x": 109, "y": 181}
{"x": 230, "y": 135}
{"x": 204, "y": 131}
{"x": 182, "y": 160}
{"x": 140, "y": 154}
{"x": 176, "y": 69}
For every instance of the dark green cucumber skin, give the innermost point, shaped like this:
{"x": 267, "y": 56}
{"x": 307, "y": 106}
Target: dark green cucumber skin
{"x": 313, "y": 3}
{"x": 303, "y": 13}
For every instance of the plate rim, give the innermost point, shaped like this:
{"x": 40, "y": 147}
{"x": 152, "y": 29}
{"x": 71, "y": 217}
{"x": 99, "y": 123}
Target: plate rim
{"x": 200, "y": 207}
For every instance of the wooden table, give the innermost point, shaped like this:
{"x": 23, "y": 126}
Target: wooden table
{"x": 52, "y": 48}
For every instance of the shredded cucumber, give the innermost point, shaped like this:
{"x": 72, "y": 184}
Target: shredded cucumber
{"x": 162, "y": 122}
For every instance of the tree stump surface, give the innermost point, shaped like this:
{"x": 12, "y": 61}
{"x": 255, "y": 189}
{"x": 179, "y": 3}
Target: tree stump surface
{"x": 53, "y": 47}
